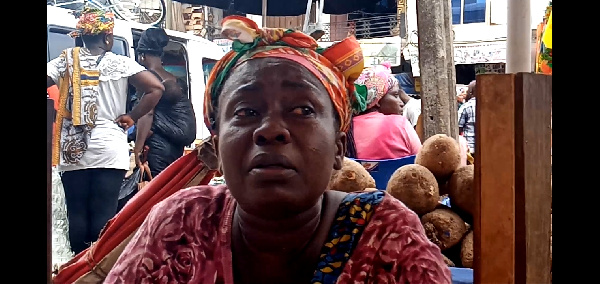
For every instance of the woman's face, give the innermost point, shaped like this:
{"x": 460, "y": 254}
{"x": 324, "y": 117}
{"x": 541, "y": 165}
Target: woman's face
{"x": 391, "y": 102}
{"x": 278, "y": 140}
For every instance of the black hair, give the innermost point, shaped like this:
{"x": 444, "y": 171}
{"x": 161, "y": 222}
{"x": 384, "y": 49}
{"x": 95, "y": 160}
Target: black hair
{"x": 152, "y": 42}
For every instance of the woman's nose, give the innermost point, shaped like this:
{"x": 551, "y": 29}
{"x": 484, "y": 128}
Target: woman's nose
{"x": 272, "y": 130}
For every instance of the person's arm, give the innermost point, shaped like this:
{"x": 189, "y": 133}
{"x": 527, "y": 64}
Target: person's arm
{"x": 49, "y": 82}
{"x": 152, "y": 90}
{"x": 403, "y": 96}
{"x": 142, "y": 127}
{"x": 421, "y": 261}
{"x": 405, "y": 254}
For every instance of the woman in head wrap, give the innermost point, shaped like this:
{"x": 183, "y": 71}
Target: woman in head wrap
{"x": 380, "y": 131}
{"x": 90, "y": 142}
{"x": 171, "y": 126}
{"x": 279, "y": 108}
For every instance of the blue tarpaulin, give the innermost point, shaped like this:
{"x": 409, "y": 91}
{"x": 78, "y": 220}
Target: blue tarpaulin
{"x": 406, "y": 83}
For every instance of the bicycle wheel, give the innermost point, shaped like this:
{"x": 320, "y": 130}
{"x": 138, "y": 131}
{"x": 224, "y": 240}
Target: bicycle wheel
{"x": 151, "y": 12}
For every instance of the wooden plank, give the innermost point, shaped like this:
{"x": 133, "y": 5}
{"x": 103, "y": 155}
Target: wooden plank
{"x": 494, "y": 233}
{"x": 533, "y": 99}
{"x": 512, "y": 227}
{"x": 49, "y": 126}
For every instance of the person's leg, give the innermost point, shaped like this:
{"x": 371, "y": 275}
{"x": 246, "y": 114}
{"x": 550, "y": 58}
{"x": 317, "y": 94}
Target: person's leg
{"x": 104, "y": 197}
{"x": 77, "y": 188}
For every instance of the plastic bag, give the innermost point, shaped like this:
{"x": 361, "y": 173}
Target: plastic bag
{"x": 130, "y": 183}
{"x": 61, "y": 248}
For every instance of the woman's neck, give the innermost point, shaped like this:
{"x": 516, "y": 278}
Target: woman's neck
{"x": 96, "y": 50}
{"x": 282, "y": 236}
{"x": 154, "y": 63}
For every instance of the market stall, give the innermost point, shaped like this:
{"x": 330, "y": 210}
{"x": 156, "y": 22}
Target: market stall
{"x": 543, "y": 58}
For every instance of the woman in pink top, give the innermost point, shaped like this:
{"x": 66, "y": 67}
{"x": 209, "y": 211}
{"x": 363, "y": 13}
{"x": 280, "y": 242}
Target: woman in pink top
{"x": 380, "y": 132}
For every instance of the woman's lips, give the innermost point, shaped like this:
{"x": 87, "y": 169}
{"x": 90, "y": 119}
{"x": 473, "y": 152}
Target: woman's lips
{"x": 272, "y": 172}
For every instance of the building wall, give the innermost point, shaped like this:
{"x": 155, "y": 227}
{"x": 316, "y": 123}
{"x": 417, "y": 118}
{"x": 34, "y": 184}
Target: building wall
{"x": 476, "y": 40}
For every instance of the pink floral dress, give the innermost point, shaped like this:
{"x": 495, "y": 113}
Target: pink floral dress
{"x": 187, "y": 239}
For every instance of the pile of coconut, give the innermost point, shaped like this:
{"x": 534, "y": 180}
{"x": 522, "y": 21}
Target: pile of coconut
{"x": 436, "y": 174}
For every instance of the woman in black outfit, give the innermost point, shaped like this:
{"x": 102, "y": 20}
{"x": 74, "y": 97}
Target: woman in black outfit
{"x": 171, "y": 126}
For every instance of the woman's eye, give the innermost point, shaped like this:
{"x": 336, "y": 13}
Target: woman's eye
{"x": 245, "y": 112}
{"x": 303, "y": 110}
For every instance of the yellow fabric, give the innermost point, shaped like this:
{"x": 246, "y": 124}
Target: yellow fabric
{"x": 547, "y": 37}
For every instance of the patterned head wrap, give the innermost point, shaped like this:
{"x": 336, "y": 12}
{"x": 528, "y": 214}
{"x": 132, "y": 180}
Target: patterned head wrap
{"x": 378, "y": 80}
{"x": 336, "y": 67}
{"x": 93, "y": 21}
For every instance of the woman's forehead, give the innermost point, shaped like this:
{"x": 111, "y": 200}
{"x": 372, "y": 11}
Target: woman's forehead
{"x": 284, "y": 71}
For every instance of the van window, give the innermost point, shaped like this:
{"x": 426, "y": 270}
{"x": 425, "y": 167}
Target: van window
{"x": 59, "y": 39}
{"x": 207, "y": 66}
{"x": 175, "y": 61}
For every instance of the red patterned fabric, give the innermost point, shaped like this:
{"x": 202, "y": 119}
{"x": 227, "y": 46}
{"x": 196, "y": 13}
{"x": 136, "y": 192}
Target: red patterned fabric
{"x": 187, "y": 239}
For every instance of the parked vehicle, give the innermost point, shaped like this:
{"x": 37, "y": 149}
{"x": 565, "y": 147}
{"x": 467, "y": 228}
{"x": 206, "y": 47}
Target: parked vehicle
{"x": 187, "y": 56}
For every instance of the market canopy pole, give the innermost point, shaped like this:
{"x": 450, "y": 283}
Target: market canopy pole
{"x": 518, "y": 37}
{"x": 436, "y": 64}
{"x": 264, "y": 13}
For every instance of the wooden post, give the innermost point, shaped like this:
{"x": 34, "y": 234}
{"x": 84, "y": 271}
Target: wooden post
{"x": 512, "y": 179}
{"x": 49, "y": 124}
{"x": 436, "y": 63}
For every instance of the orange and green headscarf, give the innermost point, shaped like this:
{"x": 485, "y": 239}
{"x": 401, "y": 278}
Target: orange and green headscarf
{"x": 93, "y": 21}
{"x": 336, "y": 67}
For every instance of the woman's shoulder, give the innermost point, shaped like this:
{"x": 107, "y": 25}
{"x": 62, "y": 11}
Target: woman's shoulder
{"x": 394, "y": 245}
{"x": 196, "y": 196}
{"x": 385, "y": 207}
{"x": 200, "y": 201}
{"x": 393, "y": 211}
{"x": 115, "y": 66}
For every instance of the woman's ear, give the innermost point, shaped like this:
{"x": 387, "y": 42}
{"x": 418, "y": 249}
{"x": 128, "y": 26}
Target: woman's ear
{"x": 215, "y": 142}
{"x": 340, "y": 143}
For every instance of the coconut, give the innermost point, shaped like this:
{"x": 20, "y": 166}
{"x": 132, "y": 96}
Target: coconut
{"x": 416, "y": 187}
{"x": 352, "y": 177}
{"x": 461, "y": 189}
{"x": 466, "y": 251}
{"x": 441, "y": 155}
{"x": 443, "y": 227}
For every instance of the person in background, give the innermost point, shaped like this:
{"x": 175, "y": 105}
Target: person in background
{"x": 171, "y": 125}
{"x": 466, "y": 117}
{"x": 278, "y": 108}
{"x": 90, "y": 143}
{"x": 162, "y": 134}
{"x": 412, "y": 102}
{"x": 461, "y": 97}
{"x": 380, "y": 131}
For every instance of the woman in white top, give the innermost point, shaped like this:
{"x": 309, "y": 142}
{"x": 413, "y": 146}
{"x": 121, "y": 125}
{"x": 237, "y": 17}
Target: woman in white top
{"x": 90, "y": 142}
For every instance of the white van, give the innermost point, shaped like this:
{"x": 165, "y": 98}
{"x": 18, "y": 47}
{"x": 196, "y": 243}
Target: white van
{"x": 187, "y": 56}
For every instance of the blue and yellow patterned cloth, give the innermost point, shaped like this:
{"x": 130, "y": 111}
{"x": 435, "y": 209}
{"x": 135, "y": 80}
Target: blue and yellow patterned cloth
{"x": 351, "y": 219}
